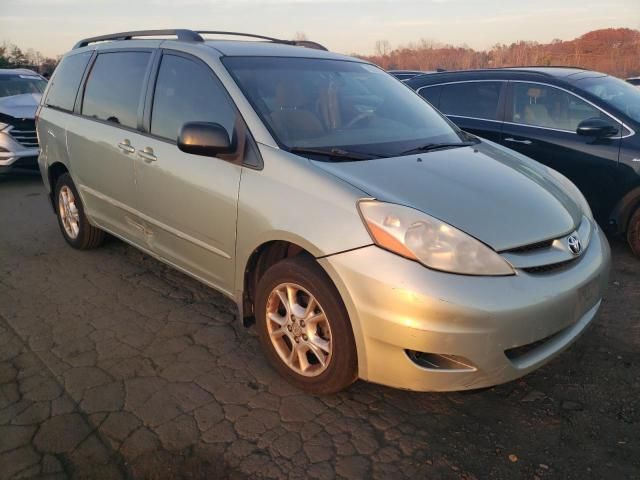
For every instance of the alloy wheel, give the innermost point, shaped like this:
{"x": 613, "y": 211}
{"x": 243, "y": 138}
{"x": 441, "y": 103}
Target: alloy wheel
{"x": 69, "y": 213}
{"x": 299, "y": 329}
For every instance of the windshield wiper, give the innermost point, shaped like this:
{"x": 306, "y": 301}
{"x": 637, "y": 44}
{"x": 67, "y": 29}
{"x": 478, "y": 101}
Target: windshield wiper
{"x": 435, "y": 146}
{"x": 335, "y": 153}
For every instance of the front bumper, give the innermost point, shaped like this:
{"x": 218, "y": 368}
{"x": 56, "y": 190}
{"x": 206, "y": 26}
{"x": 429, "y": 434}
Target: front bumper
{"x": 15, "y": 156}
{"x": 396, "y": 305}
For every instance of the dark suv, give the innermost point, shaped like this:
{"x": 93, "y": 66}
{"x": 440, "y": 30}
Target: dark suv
{"x": 579, "y": 122}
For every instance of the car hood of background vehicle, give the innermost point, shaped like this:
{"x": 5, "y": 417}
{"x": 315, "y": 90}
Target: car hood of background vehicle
{"x": 20, "y": 106}
{"x": 502, "y": 198}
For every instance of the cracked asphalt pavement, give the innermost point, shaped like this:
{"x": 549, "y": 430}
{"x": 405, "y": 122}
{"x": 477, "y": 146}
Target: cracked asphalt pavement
{"x": 113, "y": 365}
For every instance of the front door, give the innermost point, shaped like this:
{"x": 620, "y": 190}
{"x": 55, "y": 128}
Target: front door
{"x": 541, "y": 124}
{"x": 189, "y": 202}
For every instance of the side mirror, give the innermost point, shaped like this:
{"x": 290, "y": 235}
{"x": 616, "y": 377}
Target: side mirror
{"x": 204, "y": 138}
{"x": 596, "y": 127}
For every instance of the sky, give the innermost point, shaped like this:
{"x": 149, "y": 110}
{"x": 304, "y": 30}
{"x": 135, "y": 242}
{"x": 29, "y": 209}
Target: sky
{"x": 346, "y": 26}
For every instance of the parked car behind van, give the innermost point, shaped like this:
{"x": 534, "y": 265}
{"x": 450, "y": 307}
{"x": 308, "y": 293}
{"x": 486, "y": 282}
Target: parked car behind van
{"x": 20, "y": 93}
{"x": 366, "y": 235}
{"x": 581, "y": 123}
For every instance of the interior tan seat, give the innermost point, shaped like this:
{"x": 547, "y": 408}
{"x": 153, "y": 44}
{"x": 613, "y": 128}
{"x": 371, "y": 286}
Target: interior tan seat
{"x": 537, "y": 114}
{"x": 291, "y": 118}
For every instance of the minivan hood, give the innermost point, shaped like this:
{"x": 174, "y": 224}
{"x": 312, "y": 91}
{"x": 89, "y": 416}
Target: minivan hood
{"x": 502, "y": 198}
{"x": 20, "y": 106}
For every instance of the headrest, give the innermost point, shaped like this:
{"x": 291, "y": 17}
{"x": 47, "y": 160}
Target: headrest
{"x": 289, "y": 95}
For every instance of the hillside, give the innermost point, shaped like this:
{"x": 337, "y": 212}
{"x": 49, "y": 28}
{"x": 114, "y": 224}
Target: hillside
{"x": 613, "y": 50}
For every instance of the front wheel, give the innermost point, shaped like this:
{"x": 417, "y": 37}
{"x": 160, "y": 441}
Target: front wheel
{"x": 633, "y": 232}
{"x": 304, "y": 327}
{"x": 75, "y": 226}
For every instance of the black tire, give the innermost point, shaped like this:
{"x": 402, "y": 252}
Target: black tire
{"x": 342, "y": 366}
{"x": 633, "y": 232}
{"x": 88, "y": 236}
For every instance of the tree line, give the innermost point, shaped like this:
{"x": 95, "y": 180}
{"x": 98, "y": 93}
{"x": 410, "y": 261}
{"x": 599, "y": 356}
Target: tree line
{"x": 12, "y": 56}
{"x": 612, "y": 51}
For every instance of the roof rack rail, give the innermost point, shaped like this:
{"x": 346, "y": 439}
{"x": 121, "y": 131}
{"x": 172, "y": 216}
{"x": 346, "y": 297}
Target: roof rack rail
{"x": 298, "y": 43}
{"x": 191, "y": 36}
{"x": 181, "y": 33}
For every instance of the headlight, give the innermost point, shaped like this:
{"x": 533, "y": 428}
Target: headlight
{"x": 435, "y": 244}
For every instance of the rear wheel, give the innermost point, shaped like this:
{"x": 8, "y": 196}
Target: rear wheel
{"x": 304, "y": 327}
{"x": 633, "y": 232}
{"x": 75, "y": 226}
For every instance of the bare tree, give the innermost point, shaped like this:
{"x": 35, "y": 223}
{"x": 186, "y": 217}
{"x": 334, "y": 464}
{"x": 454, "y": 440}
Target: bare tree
{"x": 382, "y": 48}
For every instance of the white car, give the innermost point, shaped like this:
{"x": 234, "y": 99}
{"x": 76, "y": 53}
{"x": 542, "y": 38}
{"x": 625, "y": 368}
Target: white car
{"x": 20, "y": 93}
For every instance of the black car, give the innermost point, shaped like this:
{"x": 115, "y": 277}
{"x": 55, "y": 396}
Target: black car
{"x": 582, "y": 123}
{"x": 406, "y": 75}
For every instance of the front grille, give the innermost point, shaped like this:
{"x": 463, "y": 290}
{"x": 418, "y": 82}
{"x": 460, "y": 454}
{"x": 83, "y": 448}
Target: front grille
{"x": 532, "y": 247}
{"x": 24, "y": 132}
{"x": 26, "y": 138}
{"x": 554, "y": 267}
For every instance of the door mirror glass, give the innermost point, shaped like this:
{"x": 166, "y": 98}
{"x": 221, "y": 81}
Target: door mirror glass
{"x": 204, "y": 138}
{"x": 596, "y": 127}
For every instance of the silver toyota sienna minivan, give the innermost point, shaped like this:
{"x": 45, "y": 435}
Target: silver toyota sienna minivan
{"x": 364, "y": 234}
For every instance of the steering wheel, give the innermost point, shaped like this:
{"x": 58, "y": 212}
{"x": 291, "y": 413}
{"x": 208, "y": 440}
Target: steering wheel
{"x": 358, "y": 118}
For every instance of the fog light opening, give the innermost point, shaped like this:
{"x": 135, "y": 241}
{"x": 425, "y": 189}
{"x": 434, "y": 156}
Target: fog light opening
{"x": 440, "y": 361}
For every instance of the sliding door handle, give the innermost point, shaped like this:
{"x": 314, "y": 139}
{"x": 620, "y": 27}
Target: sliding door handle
{"x": 147, "y": 155}
{"x": 125, "y": 146}
{"x": 514, "y": 140}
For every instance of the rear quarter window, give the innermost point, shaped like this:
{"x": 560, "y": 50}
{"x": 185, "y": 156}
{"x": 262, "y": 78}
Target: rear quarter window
{"x": 66, "y": 80}
{"x": 471, "y": 99}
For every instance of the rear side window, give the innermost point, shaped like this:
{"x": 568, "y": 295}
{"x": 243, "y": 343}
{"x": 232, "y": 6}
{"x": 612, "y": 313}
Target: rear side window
{"x": 114, "y": 87}
{"x": 66, "y": 80}
{"x": 471, "y": 99}
{"x": 431, "y": 94}
{"x": 187, "y": 91}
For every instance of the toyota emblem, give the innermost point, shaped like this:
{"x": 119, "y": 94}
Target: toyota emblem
{"x": 574, "y": 244}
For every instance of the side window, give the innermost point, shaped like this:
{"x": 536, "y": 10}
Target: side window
{"x": 431, "y": 94}
{"x": 66, "y": 80}
{"x": 114, "y": 87}
{"x": 188, "y": 91}
{"x": 471, "y": 99}
{"x": 545, "y": 106}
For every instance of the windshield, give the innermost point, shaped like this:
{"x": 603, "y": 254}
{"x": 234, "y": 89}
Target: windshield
{"x": 332, "y": 104}
{"x": 18, "y": 84}
{"x": 618, "y": 93}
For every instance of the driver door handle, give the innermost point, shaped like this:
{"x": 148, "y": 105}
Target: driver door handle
{"x": 511, "y": 139}
{"x": 147, "y": 155}
{"x": 125, "y": 146}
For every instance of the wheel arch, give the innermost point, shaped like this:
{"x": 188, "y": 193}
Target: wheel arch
{"x": 270, "y": 252}
{"x": 54, "y": 172}
{"x": 621, "y": 214}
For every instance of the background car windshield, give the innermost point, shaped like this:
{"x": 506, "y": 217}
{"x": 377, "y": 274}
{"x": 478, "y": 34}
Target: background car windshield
{"x": 19, "y": 84}
{"x": 316, "y": 103}
{"x": 622, "y": 95}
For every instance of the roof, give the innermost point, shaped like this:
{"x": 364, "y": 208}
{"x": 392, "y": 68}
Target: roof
{"x": 270, "y": 49}
{"x": 562, "y": 74}
{"x": 17, "y": 71}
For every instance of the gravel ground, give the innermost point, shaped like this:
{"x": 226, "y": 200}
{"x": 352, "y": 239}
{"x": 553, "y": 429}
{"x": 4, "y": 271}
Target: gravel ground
{"x": 115, "y": 366}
